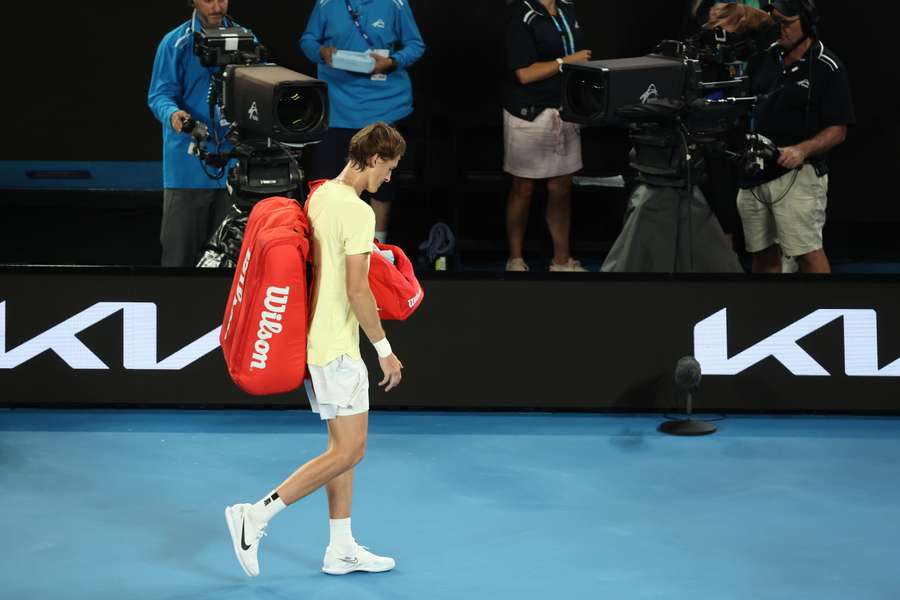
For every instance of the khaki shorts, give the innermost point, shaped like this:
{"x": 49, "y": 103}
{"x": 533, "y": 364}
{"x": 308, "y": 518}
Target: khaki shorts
{"x": 540, "y": 149}
{"x": 789, "y": 212}
{"x": 338, "y": 389}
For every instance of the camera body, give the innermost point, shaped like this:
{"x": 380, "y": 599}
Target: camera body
{"x": 261, "y": 100}
{"x": 271, "y": 111}
{"x": 594, "y": 91}
{"x": 684, "y": 99}
{"x": 221, "y": 46}
{"x": 707, "y": 65}
{"x": 269, "y": 101}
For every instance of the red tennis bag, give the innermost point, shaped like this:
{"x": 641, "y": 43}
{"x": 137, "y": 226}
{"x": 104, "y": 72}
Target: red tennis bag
{"x": 264, "y": 329}
{"x": 395, "y": 287}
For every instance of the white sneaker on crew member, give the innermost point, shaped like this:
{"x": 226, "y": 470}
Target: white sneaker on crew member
{"x": 245, "y": 537}
{"x": 516, "y": 264}
{"x": 571, "y": 266}
{"x": 789, "y": 264}
{"x": 359, "y": 559}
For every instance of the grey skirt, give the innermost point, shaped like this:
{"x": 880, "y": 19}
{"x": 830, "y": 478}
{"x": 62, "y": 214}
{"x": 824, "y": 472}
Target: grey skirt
{"x": 543, "y": 148}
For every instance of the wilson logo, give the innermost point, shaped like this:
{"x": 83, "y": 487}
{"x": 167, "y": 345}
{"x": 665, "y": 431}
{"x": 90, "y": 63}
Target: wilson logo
{"x": 238, "y": 293}
{"x": 269, "y": 324}
{"x": 415, "y": 299}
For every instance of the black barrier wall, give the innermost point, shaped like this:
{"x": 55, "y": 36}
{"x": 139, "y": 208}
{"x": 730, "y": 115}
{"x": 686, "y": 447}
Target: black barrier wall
{"x": 75, "y": 337}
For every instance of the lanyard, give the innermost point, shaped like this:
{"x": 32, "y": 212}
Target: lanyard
{"x": 568, "y": 40}
{"x": 355, "y": 17}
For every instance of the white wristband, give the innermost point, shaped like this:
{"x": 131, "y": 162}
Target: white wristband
{"x": 383, "y": 348}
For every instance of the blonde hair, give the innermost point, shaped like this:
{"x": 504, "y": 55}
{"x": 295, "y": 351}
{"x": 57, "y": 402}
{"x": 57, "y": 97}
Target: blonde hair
{"x": 377, "y": 139}
{"x": 737, "y": 18}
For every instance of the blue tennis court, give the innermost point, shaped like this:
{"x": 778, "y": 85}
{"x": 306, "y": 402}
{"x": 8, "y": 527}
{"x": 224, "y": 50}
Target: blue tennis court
{"x": 129, "y": 504}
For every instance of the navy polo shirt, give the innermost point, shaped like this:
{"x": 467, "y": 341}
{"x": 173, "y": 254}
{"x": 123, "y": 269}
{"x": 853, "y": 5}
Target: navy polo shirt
{"x": 534, "y": 35}
{"x": 805, "y": 98}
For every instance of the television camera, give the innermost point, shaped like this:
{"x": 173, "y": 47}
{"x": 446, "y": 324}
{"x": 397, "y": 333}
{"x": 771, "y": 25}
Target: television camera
{"x": 271, "y": 113}
{"x": 683, "y": 97}
{"x": 681, "y": 103}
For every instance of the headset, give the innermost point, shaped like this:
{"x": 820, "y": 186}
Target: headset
{"x": 809, "y": 21}
{"x": 809, "y": 17}
{"x": 806, "y": 10}
{"x": 215, "y": 133}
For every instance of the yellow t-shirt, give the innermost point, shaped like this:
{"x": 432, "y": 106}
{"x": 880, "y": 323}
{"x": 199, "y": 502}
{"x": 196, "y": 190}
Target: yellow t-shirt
{"x": 342, "y": 225}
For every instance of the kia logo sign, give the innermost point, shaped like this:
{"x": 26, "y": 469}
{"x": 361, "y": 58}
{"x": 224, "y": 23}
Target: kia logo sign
{"x": 139, "y": 336}
{"x": 138, "y": 340}
{"x": 860, "y": 345}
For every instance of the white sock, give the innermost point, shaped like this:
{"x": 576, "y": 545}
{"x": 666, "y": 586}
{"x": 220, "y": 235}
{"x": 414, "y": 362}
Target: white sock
{"x": 268, "y": 507}
{"x": 341, "y": 536}
{"x": 381, "y": 236}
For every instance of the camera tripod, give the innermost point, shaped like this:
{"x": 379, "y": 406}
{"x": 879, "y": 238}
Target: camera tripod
{"x": 669, "y": 226}
{"x": 262, "y": 170}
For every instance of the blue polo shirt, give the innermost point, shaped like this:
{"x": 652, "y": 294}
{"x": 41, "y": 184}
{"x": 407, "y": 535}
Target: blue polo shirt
{"x": 180, "y": 82}
{"x": 356, "y": 99}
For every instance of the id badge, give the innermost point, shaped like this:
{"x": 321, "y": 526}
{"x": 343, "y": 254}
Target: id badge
{"x": 385, "y": 53}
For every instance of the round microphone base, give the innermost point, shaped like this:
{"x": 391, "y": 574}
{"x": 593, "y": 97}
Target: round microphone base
{"x": 687, "y": 427}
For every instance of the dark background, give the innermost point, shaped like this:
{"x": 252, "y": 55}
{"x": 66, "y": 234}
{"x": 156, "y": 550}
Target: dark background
{"x": 78, "y": 76}
{"x": 600, "y": 343}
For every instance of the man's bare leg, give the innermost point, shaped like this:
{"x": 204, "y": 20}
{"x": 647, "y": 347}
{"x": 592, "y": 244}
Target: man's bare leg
{"x": 814, "y": 262}
{"x": 340, "y": 495}
{"x": 339, "y": 490}
{"x": 346, "y": 447}
{"x": 340, "y": 504}
{"x": 768, "y": 260}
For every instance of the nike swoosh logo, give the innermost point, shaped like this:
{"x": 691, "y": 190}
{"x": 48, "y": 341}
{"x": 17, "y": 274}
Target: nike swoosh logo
{"x": 350, "y": 561}
{"x": 244, "y": 545}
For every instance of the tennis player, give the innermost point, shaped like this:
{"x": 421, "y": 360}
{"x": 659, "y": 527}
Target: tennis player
{"x": 343, "y": 227}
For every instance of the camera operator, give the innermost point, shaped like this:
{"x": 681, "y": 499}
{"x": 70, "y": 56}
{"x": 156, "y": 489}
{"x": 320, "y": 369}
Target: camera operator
{"x": 806, "y": 112}
{"x": 193, "y": 203}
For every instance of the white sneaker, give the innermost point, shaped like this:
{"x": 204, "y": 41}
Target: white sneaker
{"x": 789, "y": 264}
{"x": 245, "y": 537}
{"x": 516, "y": 264}
{"x": 362, "y": 560}
{"x": 573, "y": 266}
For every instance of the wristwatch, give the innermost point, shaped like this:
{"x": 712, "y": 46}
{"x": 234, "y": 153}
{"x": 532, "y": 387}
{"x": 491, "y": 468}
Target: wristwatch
{"x": 560, "y": 61}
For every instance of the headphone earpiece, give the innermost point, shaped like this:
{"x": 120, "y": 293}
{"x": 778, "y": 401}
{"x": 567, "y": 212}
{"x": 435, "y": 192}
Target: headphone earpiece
{"x": 809, "y": 18}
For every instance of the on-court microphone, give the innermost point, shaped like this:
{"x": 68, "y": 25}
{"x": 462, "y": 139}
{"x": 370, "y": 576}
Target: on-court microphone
{"x": 687, "y": 377}
{"x": 687, "y": 373}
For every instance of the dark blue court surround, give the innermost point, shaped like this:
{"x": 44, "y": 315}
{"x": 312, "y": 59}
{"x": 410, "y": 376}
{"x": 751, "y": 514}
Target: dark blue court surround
{"x": 81, "y": 175}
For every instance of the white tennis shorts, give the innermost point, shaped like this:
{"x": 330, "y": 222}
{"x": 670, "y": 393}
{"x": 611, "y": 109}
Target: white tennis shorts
{"x": 338, "y": 389}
